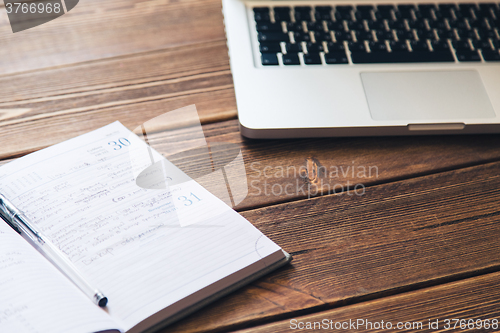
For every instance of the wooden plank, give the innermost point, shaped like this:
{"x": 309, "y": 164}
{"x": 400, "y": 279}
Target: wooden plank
{"x": 22, "y": 137}
{"x": 113, "y": 74}
{"x": 97, "y": 29}
{"x": 425, "y": 310}
{"x": 277, "y": 173}
{"x": 394, "y": 238}
{"x": 50, "y": 106}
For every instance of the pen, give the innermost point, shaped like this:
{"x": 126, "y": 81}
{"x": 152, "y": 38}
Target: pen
{"x": 19, "y": 222}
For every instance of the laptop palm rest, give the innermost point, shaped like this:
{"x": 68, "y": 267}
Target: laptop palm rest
{"x": 426, "y": 96}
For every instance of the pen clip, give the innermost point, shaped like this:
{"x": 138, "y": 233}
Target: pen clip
{"x": 8, "y": 215}
{"x": 13, "y": 226}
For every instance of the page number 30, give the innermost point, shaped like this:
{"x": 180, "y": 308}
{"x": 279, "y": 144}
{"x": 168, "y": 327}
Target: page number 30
{"x": 122, "y": 142}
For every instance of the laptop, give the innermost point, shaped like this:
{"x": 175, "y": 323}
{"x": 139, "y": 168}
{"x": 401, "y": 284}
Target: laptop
{"x": 364, "y": 68}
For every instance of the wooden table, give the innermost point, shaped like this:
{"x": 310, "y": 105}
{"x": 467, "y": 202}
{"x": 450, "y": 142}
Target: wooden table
{"x": 421, "y": 243}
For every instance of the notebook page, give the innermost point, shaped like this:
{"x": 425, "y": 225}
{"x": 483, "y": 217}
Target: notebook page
{"x": 145, "y": 249}
{"x": 35, "y": 297}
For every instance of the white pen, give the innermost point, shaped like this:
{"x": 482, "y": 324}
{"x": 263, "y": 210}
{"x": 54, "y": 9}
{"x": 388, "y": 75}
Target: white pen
{"x": 17, "y": 220}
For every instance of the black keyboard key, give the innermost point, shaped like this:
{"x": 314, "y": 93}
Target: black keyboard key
{"x": 268, "y": 26}
{"x": 343, "y": 12}
{"x": 364, "y": 8}
{"x": 467, "y": 55}
{"x": 273, "y": 37}
{"x": 295, "y": 26}
{"x": 357, "y": 47}
{"x": 386, "y": 8}
{"x": 425, "y": 10}
{"x": 458, "y": 24}
{"x": 467, "y": 10}
{"x": 461, "y": 45}
{"x": 397, "y": 25}
{"x": 364, "y": 12}
{"x": 314, "y": 47}
{"x": 291, "y": 59}
{"x": 405, "y": 11}
{"x": 479, "y": 23}
{"x": 384, "y": 12}
{"x": 495, "y": 23}
{"x": 335, "y": 47}
{"x": 344, "y": 9}
{"x": 323, "y": 36}
{"x": 425, "y": 34}
{"x": 302, "y": 13}
{"x": 312, "y": 59}
{"x": 261, "y": 14}
{"x": 323, "y": 13}
{"x": 482, "y": 44}
{"x": 315, "y": 26}
{"x": 293, "y": 48}
{"x": 491, "y": 55}
{"x": 376, "y": 25}
{"x": 419, "y": 46}
{"x": 447, "y": 6}
{"x": 302, "y": 37}
{"x": 261, "y": 10}
{"x": 342, "y": 36}
{"x": 356, "y": 26}
{"x": 485, "y": 9}
{"x": 446, "y": 10}
{"x": 398, "y": 46}
{"x": 465, "y": 34}
{"x": 364, "y": 35}
{"x": 282, "y": 14}
{"x": 269, "y": 59}
{"x": 486, "y": 33}
{"x": 401, "y": 57}
{"x": 336, "y": 58}
{"x": 335, "y": 26}
{"x": 405, "y": 34}
{"x": 417, "y": 25}
{"x": 360, "y": 16}
{"x": 270, "y": 47}
{"x": 384, "y": 35}
{"x": 438, "y": 24}
{"x": 440, "y": 45}
{"x": 446, "y": 34}
{"x": 377, "y": 46}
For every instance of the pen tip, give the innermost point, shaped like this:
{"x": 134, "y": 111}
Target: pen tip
{"x": 103, "y": 302}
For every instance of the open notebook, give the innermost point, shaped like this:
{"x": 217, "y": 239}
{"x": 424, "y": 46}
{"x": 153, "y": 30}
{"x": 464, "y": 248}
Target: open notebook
{"x": 157, "y": 253}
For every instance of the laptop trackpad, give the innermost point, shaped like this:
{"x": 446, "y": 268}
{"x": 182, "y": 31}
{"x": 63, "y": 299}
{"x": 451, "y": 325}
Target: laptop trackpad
{"x": 426, "y": 95}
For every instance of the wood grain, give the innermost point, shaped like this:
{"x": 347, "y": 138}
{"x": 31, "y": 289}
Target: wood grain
{"x": 396, "y": 237}
{"x": 97, "y": 29}
{"x": 278, "y": 173}
{"x": 50, "y": 106}
{"x": 111, "y": 75}
{"x": 23, "y": 137}
{"x": 275, "y": 173}
{"x": 474, "y": 298}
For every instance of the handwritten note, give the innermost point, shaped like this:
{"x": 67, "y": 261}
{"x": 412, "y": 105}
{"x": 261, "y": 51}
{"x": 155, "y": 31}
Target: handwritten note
{"x": 34, "y": 295}
{"x": 145, "y": 248}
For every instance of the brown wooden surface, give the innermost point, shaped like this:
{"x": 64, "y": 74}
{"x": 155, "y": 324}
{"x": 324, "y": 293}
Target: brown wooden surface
{"x": 397, "y": 237}
{"x": 420, "y": 243}
{"x": 476, "y": 298}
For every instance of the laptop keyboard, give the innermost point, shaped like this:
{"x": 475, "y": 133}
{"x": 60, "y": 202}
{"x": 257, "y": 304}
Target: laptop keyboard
{"x": 365, "y": 34}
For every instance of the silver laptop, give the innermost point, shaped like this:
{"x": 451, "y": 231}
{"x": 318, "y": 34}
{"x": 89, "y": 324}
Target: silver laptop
{"x": 337, "y": 68}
